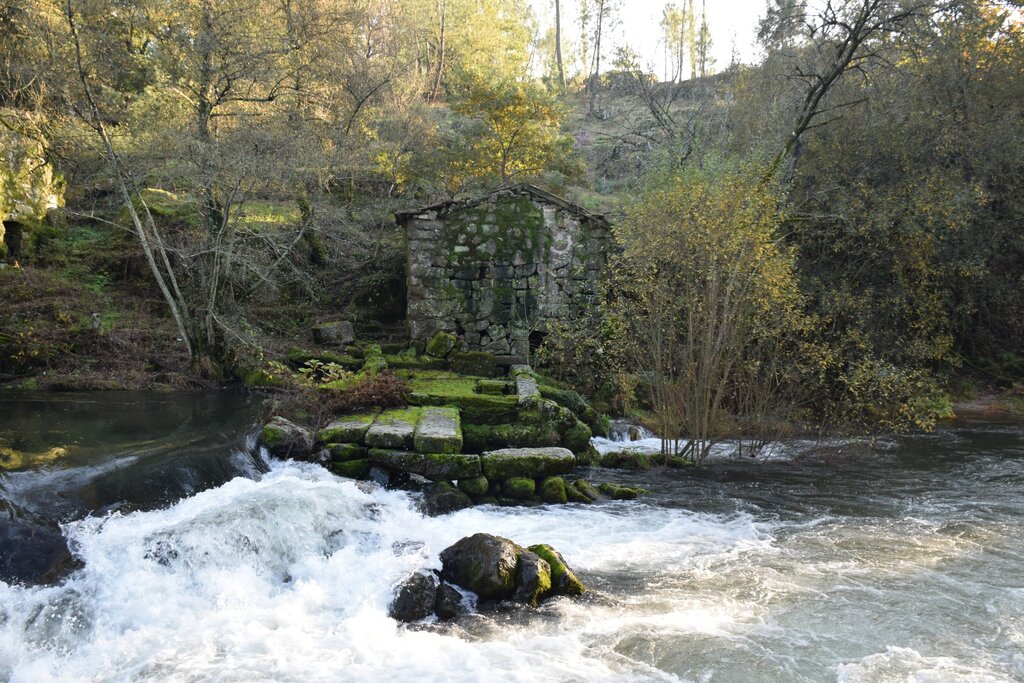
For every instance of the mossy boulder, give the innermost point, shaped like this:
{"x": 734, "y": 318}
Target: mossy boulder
{"x": 577, "y": 438}
{"x": 474, "y": 486}
{"x": 627, "y": 460}
{"x": 484, "y": 564}
{"x": 434, "y": 466}
{"x": 553, "y": 490}
{"x": 563, "y": 579}
{"x": 616, "y": 492}
{"x": 496, "y": 568}
{"x": 284, "y": 439}
{"x": 575, "y": 495}
{"x": 519, "y": 488}
{"x": 441, "y": 344}
{"x": 348, "y": 429}
{"x": 262, "y": 379}
{"x": 441, "y": 497}
{"x": 587, "y": 489}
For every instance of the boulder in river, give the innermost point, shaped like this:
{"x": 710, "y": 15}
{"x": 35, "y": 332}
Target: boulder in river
{"x": 415, "y": 599}
{"x": 496, "y": 568}
{"x": 441, "y": 498}
{"x": 285, "y": 439}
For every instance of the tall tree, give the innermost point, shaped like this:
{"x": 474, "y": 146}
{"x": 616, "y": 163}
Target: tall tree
{"x": 558, "y": 46}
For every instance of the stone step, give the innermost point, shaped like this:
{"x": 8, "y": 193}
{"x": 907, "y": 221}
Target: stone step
{"x": 348, "y": 429}
{"x": 534, "y": 463}
{"x": 435, "y": 466}
{"x": 438, "y": 431}
{"x": 394, "y": 429}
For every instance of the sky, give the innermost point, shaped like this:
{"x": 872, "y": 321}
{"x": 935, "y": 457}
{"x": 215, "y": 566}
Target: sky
{"x": 733, "y": 25}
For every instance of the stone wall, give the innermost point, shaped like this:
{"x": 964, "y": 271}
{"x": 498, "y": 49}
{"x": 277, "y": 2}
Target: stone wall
{"x": 495, "y": 269}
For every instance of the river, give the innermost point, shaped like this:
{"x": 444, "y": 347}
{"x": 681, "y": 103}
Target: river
{"x": 898, "y": 560}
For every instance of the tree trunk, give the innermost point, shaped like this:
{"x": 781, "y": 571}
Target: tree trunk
{"x": 558, "y": 46}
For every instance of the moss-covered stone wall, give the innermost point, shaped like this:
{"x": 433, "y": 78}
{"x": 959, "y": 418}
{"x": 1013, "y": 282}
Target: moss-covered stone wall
{"x": 497, "y": 269}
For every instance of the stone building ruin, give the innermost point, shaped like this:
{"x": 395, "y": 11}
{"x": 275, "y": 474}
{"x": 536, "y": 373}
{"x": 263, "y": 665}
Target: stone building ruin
{"x": 496, "y": 269}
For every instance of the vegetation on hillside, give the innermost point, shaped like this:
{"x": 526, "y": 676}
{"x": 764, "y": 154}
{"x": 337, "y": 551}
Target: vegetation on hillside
{"x": 824, "y": 237}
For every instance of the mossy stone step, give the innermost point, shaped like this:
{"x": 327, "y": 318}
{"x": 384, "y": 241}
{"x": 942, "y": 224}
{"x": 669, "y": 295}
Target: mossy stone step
{"x": 527, "y": 462}
{"x": 435, "y": 466}
{"x": 438, "y": 431}
{"x": 394, "y": 429}
{"x": 348, "y": 429}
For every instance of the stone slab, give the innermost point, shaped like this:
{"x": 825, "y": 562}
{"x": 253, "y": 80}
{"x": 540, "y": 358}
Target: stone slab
{"x": 435, "y": 466}
{"x": 348, "y": 429}
{"x": 526, "y": 389}
{"x": 394, "y": 429}
{"x": 527, "y": 462}
{"x": 438, "y": 431}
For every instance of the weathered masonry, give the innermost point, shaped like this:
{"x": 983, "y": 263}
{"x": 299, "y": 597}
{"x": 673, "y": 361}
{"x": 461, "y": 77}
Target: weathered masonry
{"x": 496, "y": 269}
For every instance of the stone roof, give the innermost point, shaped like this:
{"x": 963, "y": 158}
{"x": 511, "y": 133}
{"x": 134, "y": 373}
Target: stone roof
{"x": 539, "y": 194}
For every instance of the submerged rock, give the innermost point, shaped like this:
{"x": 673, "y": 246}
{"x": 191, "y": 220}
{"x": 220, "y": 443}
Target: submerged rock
{"x": 616, "y": 492}
{"x": 285, "y": 439}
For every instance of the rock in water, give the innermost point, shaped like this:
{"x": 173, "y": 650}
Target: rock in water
{"x": 285, "y": 439}
{"x": 442, "y": 498}
{"x": 563, "y": 579}
{"x": 448, "y": 604}
{"x": 484, "y": 564}
{"x": 415, "y": 599}
{"x": 533, "y": 579}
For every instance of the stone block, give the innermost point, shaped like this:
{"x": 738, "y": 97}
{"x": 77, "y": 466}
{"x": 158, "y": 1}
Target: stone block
{"x": 439, "y": 431}
{"x": 338, "y": 333}
{"x": 433, "y": 466}
{"x": 527, "y": 462}
{"x": 394, "y": 429}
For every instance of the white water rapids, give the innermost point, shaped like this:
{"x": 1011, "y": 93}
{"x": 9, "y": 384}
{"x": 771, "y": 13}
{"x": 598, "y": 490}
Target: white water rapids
{"x": 725, "y": 577}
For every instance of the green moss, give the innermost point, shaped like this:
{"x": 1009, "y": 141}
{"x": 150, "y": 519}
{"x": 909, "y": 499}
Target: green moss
{"x": 627, "y": 460}
{"x": 441, "y": 344}
{"x": 493, "y": 387}
{"x": 575, "y": 495}
{"x": 474, "y": 486}
{"x": 563, "y": 579}
{"x": 577, "y": 439}
{"x": 343, "y": 452}
{"x": 519, "y": 488}
{"x": 587, "y": 489}
{"x": 273, "y": 437}
{"x": 616, "y": 492}
{"x": 354, "y": 469}
{"x": 261, "y": 379}
{"x": 461, "y": 393}
{"x": 553, "y": 490}
{"x": 348, "y": 429}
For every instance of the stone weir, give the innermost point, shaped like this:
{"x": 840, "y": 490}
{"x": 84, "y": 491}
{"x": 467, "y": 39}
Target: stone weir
{"x": 476, "y": 439}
